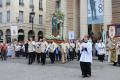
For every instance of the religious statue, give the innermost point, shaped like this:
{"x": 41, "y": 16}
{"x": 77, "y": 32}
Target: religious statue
{"x": 55, "y": 25}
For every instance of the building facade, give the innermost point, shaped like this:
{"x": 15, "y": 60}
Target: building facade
{"x": 76, "y": 17}
{"x": 17, "y": 13}
{"x": 75, "y": 23}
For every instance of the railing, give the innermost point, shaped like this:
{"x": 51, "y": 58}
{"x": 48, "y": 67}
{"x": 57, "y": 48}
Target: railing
{"x": 22, "y": 24}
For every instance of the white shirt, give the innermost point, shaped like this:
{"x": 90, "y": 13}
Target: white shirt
{"x": 43, "y": 47}
{"x": 38, "y": 48}
{"x": 31, "y": 46}
{"x": 17, "y": 48}
{"x": 96, "y": 46}
{"x": 86, "y": 56}
{"x": 101, "y": 48}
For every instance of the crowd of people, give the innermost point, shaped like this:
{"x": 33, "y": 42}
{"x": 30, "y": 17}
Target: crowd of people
{"x": 39, "y": 50}
{"x": 65, "y": 51}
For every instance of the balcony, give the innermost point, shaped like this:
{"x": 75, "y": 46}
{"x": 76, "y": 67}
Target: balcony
{"x": 21, "y": 4}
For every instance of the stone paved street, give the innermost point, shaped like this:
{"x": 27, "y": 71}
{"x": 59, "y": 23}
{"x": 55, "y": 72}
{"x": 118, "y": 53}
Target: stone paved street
{"x": 18, "y": 69}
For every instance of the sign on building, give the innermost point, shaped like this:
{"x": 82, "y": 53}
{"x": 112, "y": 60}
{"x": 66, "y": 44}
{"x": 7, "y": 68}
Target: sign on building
{"x": 71, "y": 35}
{"x": 14, "y": 32}
{"x": 95, "y": 11}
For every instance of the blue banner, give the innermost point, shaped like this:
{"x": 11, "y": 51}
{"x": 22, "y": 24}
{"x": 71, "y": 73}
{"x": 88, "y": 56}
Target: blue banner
{"x": 95, "y": 11}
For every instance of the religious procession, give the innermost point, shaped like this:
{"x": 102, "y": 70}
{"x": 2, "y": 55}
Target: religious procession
{"x": 65, "y": 51}
{"x": 38, "y": 51}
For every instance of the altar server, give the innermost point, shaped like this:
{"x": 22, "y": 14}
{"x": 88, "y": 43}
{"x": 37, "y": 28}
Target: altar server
{"x": 86, "y": 57}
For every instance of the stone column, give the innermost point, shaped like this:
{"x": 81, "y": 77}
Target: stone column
{"x": 83, "y": 18}
{"x": 36, "y": 34}
{"x": 4, "y": 35}
{"x": 107, "y": 13}
{"x": 26, "y": 34}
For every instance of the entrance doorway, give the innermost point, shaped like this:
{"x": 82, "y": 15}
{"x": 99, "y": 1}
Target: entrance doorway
{"x": 1, "y": 36}
{"x": 8, "y": 36}
{"x": 40, "y": 35}
{"x": 31, "y": 34}
{"x": 20, "y": 35}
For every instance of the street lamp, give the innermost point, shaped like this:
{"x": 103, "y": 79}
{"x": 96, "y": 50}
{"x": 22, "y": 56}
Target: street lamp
{"x": 32, "y": 14}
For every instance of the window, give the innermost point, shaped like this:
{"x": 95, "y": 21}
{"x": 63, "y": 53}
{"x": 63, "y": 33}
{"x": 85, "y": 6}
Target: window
{"x": 58, "y": 2}
{"x": 7, "y": 2}
{"x": 0, "y": 17}
{"x": 8, "y": 16}
{"x": 21, "y": 2}
{"x": 40, "y": 5}
{"x": 0, "y": 3}
{"x": 31, "y": 4}
{"x": 21, "y": 16}
{"x": 40, "y": 19}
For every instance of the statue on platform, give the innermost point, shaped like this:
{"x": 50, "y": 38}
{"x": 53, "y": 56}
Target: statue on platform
{"x": 55, "y": 25}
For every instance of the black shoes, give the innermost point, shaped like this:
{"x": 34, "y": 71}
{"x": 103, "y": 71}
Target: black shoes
{"x": 86, "y": 76}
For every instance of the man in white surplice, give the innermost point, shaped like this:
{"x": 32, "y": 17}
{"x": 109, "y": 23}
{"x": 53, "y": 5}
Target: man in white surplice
{"x": 86, "y": 57}
{"x": 101, "y": 51}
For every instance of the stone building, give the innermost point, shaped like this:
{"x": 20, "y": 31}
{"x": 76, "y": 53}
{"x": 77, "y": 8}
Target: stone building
{"x": 17, "y": 13}
{"x": 76, "y": 17}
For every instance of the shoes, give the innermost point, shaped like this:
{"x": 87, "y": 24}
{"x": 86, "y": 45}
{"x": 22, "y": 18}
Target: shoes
{"x": 85, "y": 76}
{"x": 89, "y": 75}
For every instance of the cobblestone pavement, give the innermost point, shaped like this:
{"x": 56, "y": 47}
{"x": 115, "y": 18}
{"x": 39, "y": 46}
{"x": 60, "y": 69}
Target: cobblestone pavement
{"x": 18, "y": 69}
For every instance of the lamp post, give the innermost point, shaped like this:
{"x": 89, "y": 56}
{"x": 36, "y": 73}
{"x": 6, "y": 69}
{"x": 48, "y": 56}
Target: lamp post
{"x": 32, "y": 14}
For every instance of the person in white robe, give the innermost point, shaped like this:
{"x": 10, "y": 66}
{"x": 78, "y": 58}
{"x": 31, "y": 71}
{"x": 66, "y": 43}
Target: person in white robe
{"x": 86, "y": 57}
{"x": 101, "y": 51}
